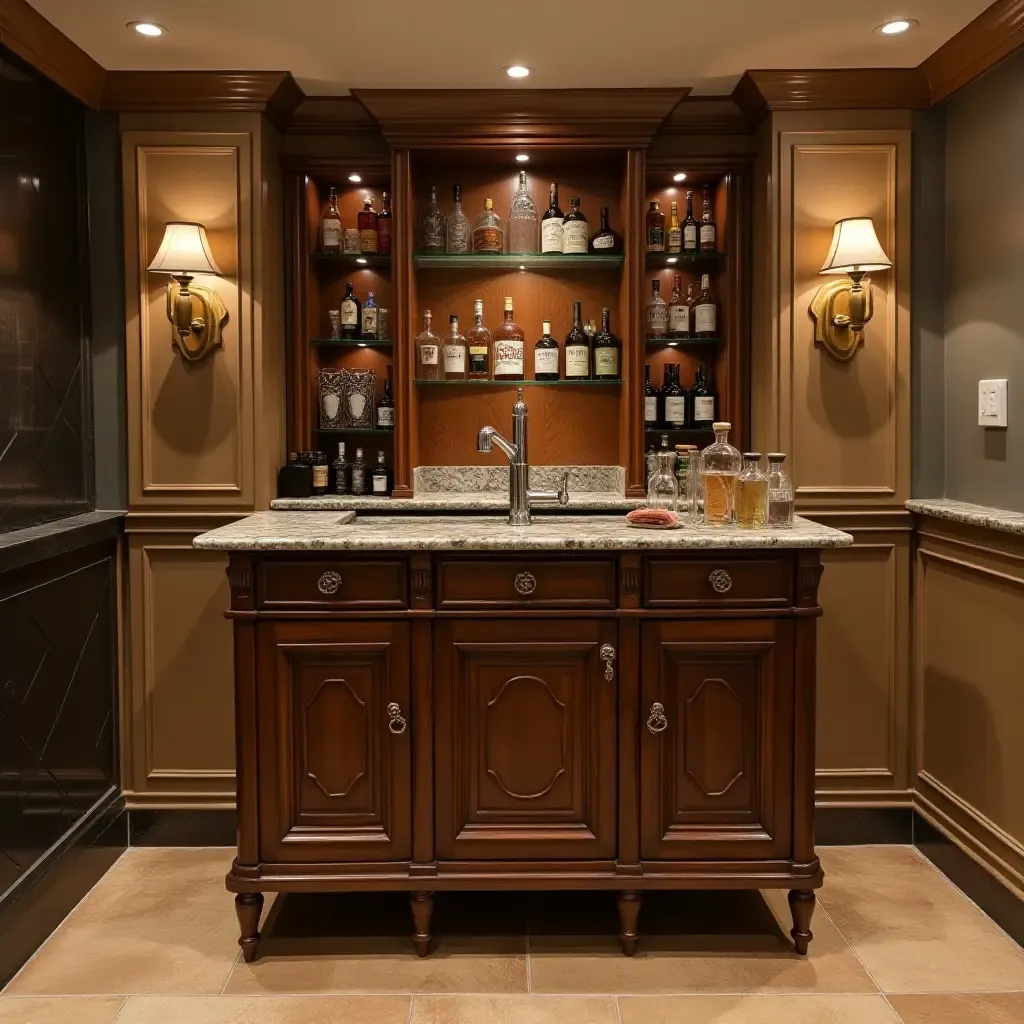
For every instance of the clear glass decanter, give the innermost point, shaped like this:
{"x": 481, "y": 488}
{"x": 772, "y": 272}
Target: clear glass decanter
{"x": 458, "y": 225}
{"x": 432, "y": 233}
{"x": 720, "y": 467}
{"x": 523, "y": 226}
{"x": 662, "y": 491}
{"x": 687, "y": 459}
{"x": 780, "y": 493}
{"x": 752, "y": 494}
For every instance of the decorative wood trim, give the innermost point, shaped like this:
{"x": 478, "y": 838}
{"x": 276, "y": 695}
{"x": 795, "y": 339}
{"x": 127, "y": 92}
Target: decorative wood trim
{"x": 631, "y": 423}
{"x": 322, "y": 115}
{"x": 706, "y": 115}
{"x": 403, "y": 290}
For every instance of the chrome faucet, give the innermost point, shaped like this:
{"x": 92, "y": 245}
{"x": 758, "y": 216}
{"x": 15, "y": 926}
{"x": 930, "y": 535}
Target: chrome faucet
{"x": 520, "y": 497}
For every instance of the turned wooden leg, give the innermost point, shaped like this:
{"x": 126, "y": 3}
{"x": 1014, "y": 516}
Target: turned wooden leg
{"x": 629, "y": 914}
{"x": 422, "y": 904}
{"x": 801, "y": 905}
{"x": 248, "y": 907}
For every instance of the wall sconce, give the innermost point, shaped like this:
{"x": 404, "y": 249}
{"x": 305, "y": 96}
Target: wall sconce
{"x": 855, "y": 251}
{"x": 184, "y": 251}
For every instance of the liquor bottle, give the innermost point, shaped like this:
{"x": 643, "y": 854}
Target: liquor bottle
{"x": 674, "y": 241}
{"x": 574, "y": 229}
{"x": 386, "y": 409}
{"x": 433, "y": 225}
{"x": 351, "y": 309}
{"x": 675, "y": 400}
{"x": 752, "y": 494}
{"x": 370, "y": 317}
{"x": 780, "y": 493}
{"x": 605, "y": 241}
{"x": 458, "y": 225}
{"x": 320, "y": 473}
{"x": 650, "y": 400}
{"x": 720, "y": 466}
{"x": 428, "y": 350}
{"x": 330, "y": 225}
{"x": 454, "y": 352}
{"x": 678, "y": 311}
{"x": 381, "y": 478}
{"x": 656, "y": 313}
{"x": 360, "y": 474}
{"x": 691, "y": 240}
{"x": 509, "y": 345}
{"x": 577, "y": 349}
{"x": 705, "y": 312}
{"x": 545, "y": 356}
{"x": 341, "y": 471}
{"x": 551, "y": 230}
{"x": 351, "y": 245}
{"x": 367, "y": 222}
{"x": 294, "y": 478}
{"x": 523, "y": 228}
{"x": 488, "y": 232}
{"x": 384, "y": 222}
{"x": 702, "y": 399}
{"x": 478, "y": 341}
{"x": 606, "y": 350}
{"x": 655, "y": 223}
{"x": 708, "y": 232}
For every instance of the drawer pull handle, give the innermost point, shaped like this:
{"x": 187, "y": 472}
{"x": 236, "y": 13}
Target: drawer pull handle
{"x": 608, "y": 657}
{"x": 526, "y": 583}
{"x": 720, "y": 580}
{"x": 657, "y": 722}
{"x": 329, "y": 583}
{"x": 396, "y": 723}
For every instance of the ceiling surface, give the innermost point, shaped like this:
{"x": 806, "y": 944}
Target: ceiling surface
{"x": 331, "y": 46}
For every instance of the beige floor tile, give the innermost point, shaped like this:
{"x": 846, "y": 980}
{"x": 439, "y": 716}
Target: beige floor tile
{"x": 513, "y": 1010}
{"x": 265, "y": 1010}
{"x": 158, "y": 922}
{"x": 701, "y": 962}
{"x": 756, "y": 1009}
{"x": 963, "y": 1009}
{"x": 911, "y": 928}
{"x": 62, "y": 1010}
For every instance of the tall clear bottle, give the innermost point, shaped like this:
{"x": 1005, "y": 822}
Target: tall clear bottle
{"x": 330, "y": 225}
{"x": 478, "y": 340}
{"x": 432, "y": 228}
{"x": 720, "y": 468}
{"x": 780, "y": 493}
{"x": 523, "y": 226}
{"x": 458, "y": 225}
{"x": 428, "y": 350}
{"x": 453, "y": 352}
{"x": 656, "y": 312}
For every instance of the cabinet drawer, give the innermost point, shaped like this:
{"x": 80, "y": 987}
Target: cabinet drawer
{"x": 496, "y": 583}
{"x": 721, "y": 582}
{"x": 333, "y": 584}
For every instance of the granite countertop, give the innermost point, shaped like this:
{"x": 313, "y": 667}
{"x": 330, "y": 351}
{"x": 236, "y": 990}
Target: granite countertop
{"x": 968, "y": 514}
{"x": 331, "y": 531}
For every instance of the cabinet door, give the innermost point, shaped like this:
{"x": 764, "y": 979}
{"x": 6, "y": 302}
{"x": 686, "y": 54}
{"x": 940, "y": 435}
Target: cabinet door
{"x": 525, "y": 741}
{"x": 334, "y": 765}
{"x": 716, "y": 753}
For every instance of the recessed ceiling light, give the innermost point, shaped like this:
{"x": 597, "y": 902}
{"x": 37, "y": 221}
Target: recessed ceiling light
{"x": 896, "y": 27}
{"x": 517, "y": 71}
{"x": 361, "y": 260}
{"x": 522, "y": 158}
{"x": 355, "y": 179}
{"x": 147, "y": 28}
{"x": 679, "y": 177}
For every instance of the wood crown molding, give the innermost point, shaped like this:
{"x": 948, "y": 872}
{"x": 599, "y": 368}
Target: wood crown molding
{"x": 319, "y": 115}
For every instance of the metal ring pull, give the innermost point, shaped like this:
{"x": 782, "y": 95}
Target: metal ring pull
{"x": 526, "y": 583}
{"x": 608, "y": 657}
{"x": 396, "y": 723}
{"x": 657, "y": 722}
{"x": 329, "y": 583}
{"x": 720, "y": 580}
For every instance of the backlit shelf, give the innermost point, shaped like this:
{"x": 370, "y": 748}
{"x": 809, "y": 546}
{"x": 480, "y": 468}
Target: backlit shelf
{"x": 353, "y": 342}
{"x": 351, "y": 260}
{"x": 606, "y": 382}
{"x": 682, "y": 342}
{"x": 679, "y": 259}
{"x": 510, "y": 261}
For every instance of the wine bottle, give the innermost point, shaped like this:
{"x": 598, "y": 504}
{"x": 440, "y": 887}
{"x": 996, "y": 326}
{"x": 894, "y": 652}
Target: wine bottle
{"x": 551, "y": 224}
{"x": 577, "y": 348}
{"x": 545, "y": 356}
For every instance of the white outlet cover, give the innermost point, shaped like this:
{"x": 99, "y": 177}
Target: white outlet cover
{"x": 992, "y": 403}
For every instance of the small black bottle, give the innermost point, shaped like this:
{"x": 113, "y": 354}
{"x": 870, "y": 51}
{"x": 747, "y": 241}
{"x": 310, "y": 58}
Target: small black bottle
{"x": 386, "y": 409}
{"x": 381, "y": 478}
{"x": 294, "y": 479}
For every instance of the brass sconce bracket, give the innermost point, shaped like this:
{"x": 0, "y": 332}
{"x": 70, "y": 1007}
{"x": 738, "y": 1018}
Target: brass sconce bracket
{"x": 195, "y": 336}
{"x": 841, "y": 334}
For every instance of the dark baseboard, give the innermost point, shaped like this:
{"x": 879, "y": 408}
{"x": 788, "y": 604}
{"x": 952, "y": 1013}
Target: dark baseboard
{"x": 50, "y": 890}
{"x": 182, "y": 828}
{"x": 863, "y": 826}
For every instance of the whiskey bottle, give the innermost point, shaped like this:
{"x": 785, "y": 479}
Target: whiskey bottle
{"x": 370, "y": 317}
{"x": 691, "y": 242}
{"x": 675, "y": 400}
{"x": 545, "y": 356}
{"x": 509, "y": 345}
{"x": 478, "y": 341}
{"x": 458, "y": 225}
{"x": 702, "y": 399}
{"x": 655, "y": 225}
{"x": 678, "y": 311}
{"x": 708, "y": 232}
{"x": 606, "y": 350}
{"x": 386, "y": 409}
{"x": 341, "y": 471}
{"x": 384, "y": 222}
{"x": 454, "y": 352}
{"x": 551, "y": 224}
{"x": 574, "y": 229}
{"x": 432, "y": 235}
{"x": 351, "y": 244}
{"x": 330, "y": 225}
{"x": 381, "y": 478}
{"x": 577, "y": 349}
{"x": 367, "y": 222}
{"x": 318, "y": 462}
{"x": 360, "y": 475}
{"x": 605, "y": 241}
{"x": 650, "y": 400}
{"x": 488, "y": 232}
{"x": 674, "y": 242}
{"x": 428, "y": 351}
{"x": 522, "y": 221}
{"x": 656, "y": 313}
{"x": 705, "y": 312}
{"x": 752, "y": 494}
{"x": 351, "y": 310}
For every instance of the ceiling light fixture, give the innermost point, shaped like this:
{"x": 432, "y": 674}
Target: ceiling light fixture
{"x": 518, "y": 71}
{"x": 522, "y": 158}
{"x": 679, "y": 177}
{"x": 147, "y": 28}
{"x": 355, "y": 179}
{"x": 896, "y": 27}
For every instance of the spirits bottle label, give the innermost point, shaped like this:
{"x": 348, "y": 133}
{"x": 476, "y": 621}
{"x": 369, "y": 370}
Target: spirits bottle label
{"x": 370, "y": 322}
{"x": 705, "y": 318}
{"x": 380, "y": 484}
{"x": 385, "y": 416}
{"x": 352, "y": 244}
{"x": 678, "y": 319}
{"x": 349, "y": 313}
{"x": 675, "y": 410}
{"x": 551, "y": 235}
{"x": 454, "y": 359}
{"x": 604, "y": 241}
{"x": 545, "y": 360}
{"x": 458, "y": 236}
{"x": 657, "y": 319}
{"x": 428, "y": 355}
{"x": 332, "y": 234}
{"x": 606, "y": 362}
{"x": 487, "y": 240}
{"x": 368, "y": 239}
{"x": 704, "y": 409}
{"x": 650, "y": 409}
{"x": 577, "y": 361}
{"x": 320, "y": 477}
{"x": 478, "y": 359}
{"x": 358, "y": 480}
{"x": 508, "y": 358}
{"x": 574, "y": 236}
{"x": 675, "y": 239}
{"x": 656, "y": 239}
{"x": 690, "y": 236}
{"x": 433, "y": 237}
{"x": 707, "y": 234}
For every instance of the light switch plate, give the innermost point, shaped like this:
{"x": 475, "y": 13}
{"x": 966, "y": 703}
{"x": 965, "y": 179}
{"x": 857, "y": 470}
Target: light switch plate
{"x": 991, "y": 403}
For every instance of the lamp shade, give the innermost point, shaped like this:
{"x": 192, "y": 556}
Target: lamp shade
{"x": 855, "y": 248}
{"x": 184, "y": 250}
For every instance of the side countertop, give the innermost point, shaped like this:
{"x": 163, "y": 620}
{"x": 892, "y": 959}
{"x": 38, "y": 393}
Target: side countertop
{"x": 331, "y": 531}
{"x": 968, "y": 514}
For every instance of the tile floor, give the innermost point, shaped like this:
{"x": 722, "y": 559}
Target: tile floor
{"x": 154, "y": 943}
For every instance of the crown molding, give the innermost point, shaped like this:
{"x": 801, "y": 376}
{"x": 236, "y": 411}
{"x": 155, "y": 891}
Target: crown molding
{"x": 318, "y": 115}
{"x": 705, "y": 115}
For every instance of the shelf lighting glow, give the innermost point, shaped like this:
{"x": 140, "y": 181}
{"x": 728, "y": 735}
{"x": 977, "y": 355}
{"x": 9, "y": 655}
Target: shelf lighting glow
{"x": 147, "y": 28}
{"x": 896, "y": 27}
{"x": 517, "y": 71}
{"x": 679, "y": 177}
{"x": 522, "y": 158}
{"x": 522, "y": 266}
{"x": 362, "y": 344}
{"x": 361, "y": 260}
{"x": 671, "y": 259}
{"x": 355, "y": 179}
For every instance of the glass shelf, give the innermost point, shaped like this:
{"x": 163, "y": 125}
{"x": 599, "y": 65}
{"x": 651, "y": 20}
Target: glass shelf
{"x": 355, "y": 430}
{"x": 693, "y": 433}
{"x": 614, "y": 382}
{"x": 509, "y": 261}
{"x": 683, "y": 342}
{"x": 679, "y": 259}
{"x": 353, "y": 342}
{"x": 350, "y": 260}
